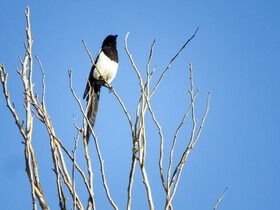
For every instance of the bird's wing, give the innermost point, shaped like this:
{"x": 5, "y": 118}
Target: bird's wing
{"x": 90, "y": 78}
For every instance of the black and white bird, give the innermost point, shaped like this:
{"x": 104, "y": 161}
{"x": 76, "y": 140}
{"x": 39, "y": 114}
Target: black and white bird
{"x": 106, "y": 62}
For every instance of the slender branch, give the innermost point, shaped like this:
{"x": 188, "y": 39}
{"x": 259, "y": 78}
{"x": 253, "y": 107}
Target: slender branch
{"x": 4, "y": 79}
{"x": 161, "y": 145}
{"x": 202, "y": 122}
{"x": 131, "y": 175}
{"x": 125, "y": 111}
{"x": 68, "y": 183}
{"x": 148, "y": 188}
{"x": 132, "y": 63}
{"x": 219, "y": 199}
{"x": 173, "y": 145}
{"x": 100, "y": 75}
{"x": 43, "y": 83}
{"x": 150, "y": 58}
{"x": 73, "y": 168}
{"x": 172, "y": 61}
{"x": 88, "y": 52}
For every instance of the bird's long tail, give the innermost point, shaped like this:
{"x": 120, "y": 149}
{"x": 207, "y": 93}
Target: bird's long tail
{"x": 93, "y": 107}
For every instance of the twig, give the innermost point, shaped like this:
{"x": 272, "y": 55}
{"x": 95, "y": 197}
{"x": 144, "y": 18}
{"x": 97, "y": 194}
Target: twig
{"x": 73, "y": 168}
{"x": 203, "y": 119}
{"x": 133, "y": 64}
{"x": 4, "y": 79}
{"x": 88, "y": 52}
{"x": 131, "y": 175}
{"x": 219, "y": 199}
{"x": 172, "y": 61}
{"x": 100, "y": 75}
{"x": 43, "y": 83}
{"x": 161, "y": 145}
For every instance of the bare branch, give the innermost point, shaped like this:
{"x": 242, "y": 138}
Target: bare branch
{"x": 203, "y": 119}
{"x": 131, "y": 175}
{"x": 4, "y": 79}
{"x": 173, "y": 145}
{"x": 219, "y": 199}
{"x": 150, "y": 58}
{"x": 43, "y": 83}
{"x": 172, "y": 61}
{"x": 100, "y": 75}
{"x": 161, "y": 145}
{"x": 73, "y": 168}
{"x": 88, "y": 52}
{"x": 124, "y": 109}
{"x": 133, "y": 64}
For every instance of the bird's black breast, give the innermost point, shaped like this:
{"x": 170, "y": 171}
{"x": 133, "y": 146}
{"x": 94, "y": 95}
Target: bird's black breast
{"x": 111, "y": 53}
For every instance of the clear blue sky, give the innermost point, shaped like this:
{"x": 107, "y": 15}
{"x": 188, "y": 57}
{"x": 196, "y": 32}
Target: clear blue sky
{"x": 235, "y": 55}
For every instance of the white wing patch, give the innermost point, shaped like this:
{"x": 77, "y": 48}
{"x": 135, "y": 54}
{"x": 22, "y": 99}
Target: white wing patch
{"x": 107, "y": 68}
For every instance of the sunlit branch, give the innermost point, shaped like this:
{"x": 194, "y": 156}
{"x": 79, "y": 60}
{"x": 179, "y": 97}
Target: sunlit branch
{"x": 168, "y": 66}
{"x": 219, "y": 199}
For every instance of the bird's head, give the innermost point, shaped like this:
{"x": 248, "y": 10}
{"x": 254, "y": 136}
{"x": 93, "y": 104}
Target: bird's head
{"x": 110, "y": 41}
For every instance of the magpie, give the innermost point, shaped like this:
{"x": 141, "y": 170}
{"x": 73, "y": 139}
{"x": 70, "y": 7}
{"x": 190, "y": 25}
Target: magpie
{"x": 106, "y": 62}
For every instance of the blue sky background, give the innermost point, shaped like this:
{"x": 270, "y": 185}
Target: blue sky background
{"x": 235, "y": 55}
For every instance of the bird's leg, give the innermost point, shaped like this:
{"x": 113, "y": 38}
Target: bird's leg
{"x": 111, "y": 88}
{"x": 101, "y": 80}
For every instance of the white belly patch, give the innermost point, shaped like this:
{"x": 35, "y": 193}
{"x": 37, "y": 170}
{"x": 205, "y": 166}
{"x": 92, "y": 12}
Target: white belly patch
{"x": 107, "y": 68}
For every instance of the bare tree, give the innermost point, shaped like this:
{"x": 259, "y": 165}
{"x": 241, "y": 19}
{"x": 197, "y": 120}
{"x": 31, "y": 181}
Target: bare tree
{"x": 66, "y": 174}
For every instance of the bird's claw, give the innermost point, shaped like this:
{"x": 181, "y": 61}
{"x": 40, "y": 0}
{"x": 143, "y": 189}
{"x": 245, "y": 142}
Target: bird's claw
{"x": 101, "y": 78}
{"x": 111, "y": 89}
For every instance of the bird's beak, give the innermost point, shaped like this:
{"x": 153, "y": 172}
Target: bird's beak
{"x": 116, "y": 36}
